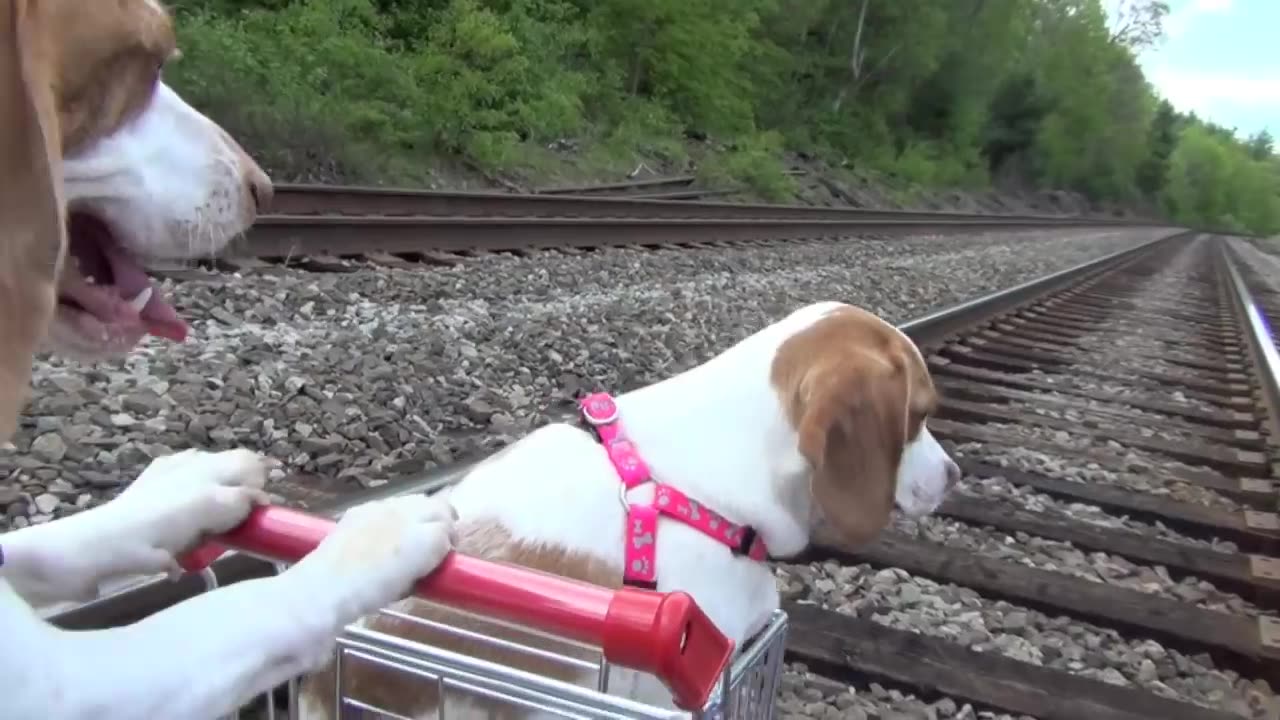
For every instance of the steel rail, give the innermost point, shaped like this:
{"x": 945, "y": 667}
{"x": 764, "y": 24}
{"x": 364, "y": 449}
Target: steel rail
{"x": 622, "y": 185}
{"x": 141, "y": 597}
{"x": 937, "y": 327}
{"x": 294, "y": 199}
{"x": 277, "y": 236}
{"x": 1261, "y": 339}
{"x": 690, "y": 194}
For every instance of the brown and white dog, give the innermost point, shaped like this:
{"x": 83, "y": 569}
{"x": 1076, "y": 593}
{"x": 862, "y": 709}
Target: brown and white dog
{"x": 818, "y": 418}
{"x": 105, "y": 168}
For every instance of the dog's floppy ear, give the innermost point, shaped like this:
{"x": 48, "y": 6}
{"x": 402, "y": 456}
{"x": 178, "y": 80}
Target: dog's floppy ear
{"x": 852, "y": 429}
{"x": 32, "y": 235}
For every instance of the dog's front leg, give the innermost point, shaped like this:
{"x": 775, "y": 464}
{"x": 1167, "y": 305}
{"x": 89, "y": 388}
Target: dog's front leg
{"x": 207, "y": 656}
{"x": 176, "y": 501}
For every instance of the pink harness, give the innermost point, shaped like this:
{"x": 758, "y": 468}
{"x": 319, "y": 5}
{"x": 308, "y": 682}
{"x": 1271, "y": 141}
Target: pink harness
{"x": 601, "y": 412}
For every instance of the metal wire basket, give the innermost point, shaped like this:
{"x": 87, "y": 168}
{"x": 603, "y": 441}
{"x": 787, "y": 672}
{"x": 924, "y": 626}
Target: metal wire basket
{"x": 661, "y": 634}
{"x": 747, "y": 689}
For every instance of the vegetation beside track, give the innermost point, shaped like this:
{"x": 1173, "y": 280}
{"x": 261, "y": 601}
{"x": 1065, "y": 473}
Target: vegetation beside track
{"x": 905, "y": 94}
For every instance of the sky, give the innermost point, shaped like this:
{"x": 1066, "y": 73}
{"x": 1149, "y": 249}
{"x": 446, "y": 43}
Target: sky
{"x": 1221, "y": 59}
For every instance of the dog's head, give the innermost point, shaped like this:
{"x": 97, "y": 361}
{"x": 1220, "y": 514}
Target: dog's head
{"x": 858, "y": 393}
{"x": 105, "y": 170}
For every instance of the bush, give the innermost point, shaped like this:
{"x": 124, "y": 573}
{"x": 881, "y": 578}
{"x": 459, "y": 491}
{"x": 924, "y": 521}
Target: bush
{"x": 754, "y": 162}
{"x": 934, "y": 93}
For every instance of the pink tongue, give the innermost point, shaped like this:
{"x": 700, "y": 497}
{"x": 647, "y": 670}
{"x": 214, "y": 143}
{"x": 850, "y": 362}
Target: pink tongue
{"x": 158, "y": 316}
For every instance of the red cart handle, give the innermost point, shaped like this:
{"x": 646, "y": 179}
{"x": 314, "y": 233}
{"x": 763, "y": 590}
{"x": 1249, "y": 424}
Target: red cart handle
{"x": 665, "y": 634}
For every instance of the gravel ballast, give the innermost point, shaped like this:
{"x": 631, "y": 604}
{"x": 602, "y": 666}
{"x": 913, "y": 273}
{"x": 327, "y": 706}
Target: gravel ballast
{"x": 898, "y": 599}
{"x": 379, "y": 373}
{"x": 1144, "y": 472}
{"x": 805, "y": 695}
{"x": 1027, "y": 498}
{"x": 1063, "y": 557}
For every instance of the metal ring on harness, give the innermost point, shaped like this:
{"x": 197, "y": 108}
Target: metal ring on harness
{"x": 595, "y": 421}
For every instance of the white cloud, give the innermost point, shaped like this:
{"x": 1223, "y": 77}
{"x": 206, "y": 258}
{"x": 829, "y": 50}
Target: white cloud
{"x": 1197, "y": 88}
{"x": 1248, "y": 100}
{"x": 1180, "y": 18}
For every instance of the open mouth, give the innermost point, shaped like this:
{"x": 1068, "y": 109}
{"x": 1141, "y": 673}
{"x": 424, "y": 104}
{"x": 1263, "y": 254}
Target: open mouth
{"x": 107, "y": 291}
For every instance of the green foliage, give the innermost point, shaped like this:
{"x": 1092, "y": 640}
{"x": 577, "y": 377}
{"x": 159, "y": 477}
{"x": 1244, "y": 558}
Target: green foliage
{"x": 1213, "y": 181}
{"x": 930, "y": 92}
{"x": 752, "y": 161}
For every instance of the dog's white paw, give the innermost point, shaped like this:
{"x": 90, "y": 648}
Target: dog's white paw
{"x": 177, "y": 501}
{"x": 376, "y": 552}
{"x": 181, "y": 498}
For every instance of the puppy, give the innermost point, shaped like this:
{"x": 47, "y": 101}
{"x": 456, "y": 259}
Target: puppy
{"x": 819, "y": 418}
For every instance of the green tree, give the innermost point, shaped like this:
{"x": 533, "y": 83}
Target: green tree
{"x": 942, "y": 93}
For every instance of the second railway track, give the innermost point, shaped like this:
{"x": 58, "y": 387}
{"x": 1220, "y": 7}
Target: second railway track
{"x": 1114, "y": 550}
{"x": 333, "y": 222}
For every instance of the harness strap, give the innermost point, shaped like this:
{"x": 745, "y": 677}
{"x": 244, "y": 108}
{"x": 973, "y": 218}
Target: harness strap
{"x": 600, "y": 412}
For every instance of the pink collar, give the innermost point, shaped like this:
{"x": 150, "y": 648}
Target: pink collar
{"x": 601, "y": 412}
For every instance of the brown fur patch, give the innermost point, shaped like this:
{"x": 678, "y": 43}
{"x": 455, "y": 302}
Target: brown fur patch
{"x": 105, "y": 58}
{"x": 409, "y": 696}
{"x": 71, "y": 71}
{"x": 32, "y": 237}
{"x": 857, "y": 391}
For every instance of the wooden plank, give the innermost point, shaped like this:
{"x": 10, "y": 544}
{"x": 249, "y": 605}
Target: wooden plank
{"x": 1146, "y": 378}
{"x": 1199, "y": 343}
{"x": 1227, "y": 486}
{"x": 1051, "y": 329}
{"x": 1144, "y": 311}
{"x": 323, "y": 263}
{"x": 1230, "y": 460}
{"x": 1235, "y": 572}
{"x": 1005, "y": 363}
{"x": 1095, "y": 324}
{"x": 1170, "y": 621}
{"x": 1195, "y": 520}
{"x": 392, "y": 261}
{"x": 951, "y": 387}
{"x": 826, "y": 639}
{"x": 1077, "y": 354}
{"x": 1023, "y": 328}
{"x": 944, "y": 368}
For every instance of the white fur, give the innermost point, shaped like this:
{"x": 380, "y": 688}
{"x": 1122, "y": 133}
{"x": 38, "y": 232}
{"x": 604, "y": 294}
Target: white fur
{"x": 716, "y": 432}
{"x": 204, "y": 657}
{"x": 171, "y": 184}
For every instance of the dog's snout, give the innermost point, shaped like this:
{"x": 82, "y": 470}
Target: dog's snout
{"x": 953, "y": 473}
{"x": 260, "y": 187}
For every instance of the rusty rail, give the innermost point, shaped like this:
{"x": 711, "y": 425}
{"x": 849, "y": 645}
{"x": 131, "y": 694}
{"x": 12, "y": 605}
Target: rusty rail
{"x": 292, "y": 199}
{"x": 320, "y": 220}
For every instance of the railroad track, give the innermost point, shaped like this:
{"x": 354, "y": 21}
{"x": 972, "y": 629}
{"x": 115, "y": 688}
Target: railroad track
{"x": 677, "y": 187}
{"x": 664, "y": 186}
{"x": 324, "y": 225}
{"x": 1122, "y": 412}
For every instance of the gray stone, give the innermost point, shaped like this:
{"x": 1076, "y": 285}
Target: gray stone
{"x": 49, "y": 448}
{"x": 46, "y": 503}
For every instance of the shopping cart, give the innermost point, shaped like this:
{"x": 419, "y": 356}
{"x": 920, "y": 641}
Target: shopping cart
{"x": 663, "y": 634}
